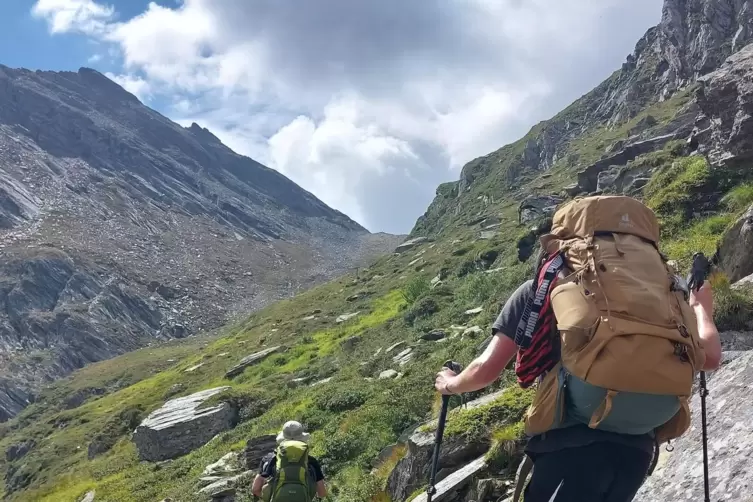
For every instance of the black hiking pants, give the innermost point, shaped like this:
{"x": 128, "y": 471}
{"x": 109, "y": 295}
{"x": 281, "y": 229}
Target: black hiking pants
{"x": 599, "y": 472}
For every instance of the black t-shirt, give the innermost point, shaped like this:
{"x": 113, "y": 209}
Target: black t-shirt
{"x": 269, "y": 466}
{"x": 574, "y": 436}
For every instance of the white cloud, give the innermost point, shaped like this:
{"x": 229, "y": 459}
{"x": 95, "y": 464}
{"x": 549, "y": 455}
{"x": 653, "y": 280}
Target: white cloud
{"x": 84, "y": 16}
{"x": 369, "y": 105}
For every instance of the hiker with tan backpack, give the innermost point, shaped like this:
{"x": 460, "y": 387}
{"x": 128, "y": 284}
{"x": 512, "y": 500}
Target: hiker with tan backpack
{"x": 613, "y": 338}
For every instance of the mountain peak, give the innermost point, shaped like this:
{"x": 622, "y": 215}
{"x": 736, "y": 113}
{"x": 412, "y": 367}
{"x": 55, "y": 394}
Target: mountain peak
{"x": 203, "y": 133}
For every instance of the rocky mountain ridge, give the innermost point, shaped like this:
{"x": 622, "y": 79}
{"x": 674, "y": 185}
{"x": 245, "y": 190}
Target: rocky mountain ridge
{"x": 120, "y": 228}
{"x": 693, "y": 38}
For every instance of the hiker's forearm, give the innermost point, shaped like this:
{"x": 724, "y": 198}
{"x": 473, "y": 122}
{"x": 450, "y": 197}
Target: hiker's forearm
{"x": 710, "y": 336}
{"x": 475, "y": 376}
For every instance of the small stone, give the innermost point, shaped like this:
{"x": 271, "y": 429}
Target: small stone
{"x": 226, "y": 465}
{"x": 350, "y": 343}
{"x": 322, "y": 382}
{"x": 194, "y": 368}
{"x": 387, "y": 374}
{"x": 475, "y": 311}
{"x": 472, "y": 332}
{"x": 433, "y": 335}
{"x": 250, "y": 360}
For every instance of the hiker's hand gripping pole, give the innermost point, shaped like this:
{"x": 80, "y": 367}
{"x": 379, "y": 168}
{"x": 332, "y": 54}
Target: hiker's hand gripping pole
{"x": 431, "y": 490}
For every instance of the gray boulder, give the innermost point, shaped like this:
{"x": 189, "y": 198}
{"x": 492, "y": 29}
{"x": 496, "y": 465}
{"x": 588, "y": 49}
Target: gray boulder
{"x": 736, "y": 248}
{"x": 535, "y": 207}
{"x": 180, "y": 426}
{"x": 679, "y": 474}
{"x": 411, "y": 471}
{"x": 250, "y": 360}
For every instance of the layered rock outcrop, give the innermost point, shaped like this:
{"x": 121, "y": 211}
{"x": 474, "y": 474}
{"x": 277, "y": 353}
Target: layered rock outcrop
{"x": 182, "y": 425}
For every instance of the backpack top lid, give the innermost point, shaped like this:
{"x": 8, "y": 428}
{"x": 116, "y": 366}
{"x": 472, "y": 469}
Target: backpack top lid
{"x": 585, "y": 216}
{"x": 292, "y": 451}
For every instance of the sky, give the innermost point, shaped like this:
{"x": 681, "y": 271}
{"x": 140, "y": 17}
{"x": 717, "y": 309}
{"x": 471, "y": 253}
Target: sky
{"x": 368, "y": 104}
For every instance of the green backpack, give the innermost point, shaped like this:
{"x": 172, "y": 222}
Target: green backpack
{"x": 293, "y": 480}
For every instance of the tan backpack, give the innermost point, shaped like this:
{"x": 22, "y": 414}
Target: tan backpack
{"x": 629, "y": 341}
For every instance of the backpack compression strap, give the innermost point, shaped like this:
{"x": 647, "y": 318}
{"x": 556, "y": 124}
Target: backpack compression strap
{"x": 536, "y": 353}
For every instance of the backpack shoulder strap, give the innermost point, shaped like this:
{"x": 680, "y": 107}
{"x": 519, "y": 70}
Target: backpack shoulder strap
{"x": 543, "y": 284}
{"x": 537, "y": 352}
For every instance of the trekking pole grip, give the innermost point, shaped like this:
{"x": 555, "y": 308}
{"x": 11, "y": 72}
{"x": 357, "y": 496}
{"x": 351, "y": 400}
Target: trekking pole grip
{"x": 453, "y": 366}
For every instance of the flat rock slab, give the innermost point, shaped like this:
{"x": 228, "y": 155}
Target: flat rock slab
{"x": 179, "y": 427}
{"x": 404, "y": 357}
{"x": 448, "y": 487}
{"x": 410, "y": 244}
{"x": 250, "y": 360}
{"x": 227, "y": 486}
{"x": 679, "y": 475}
{"x": 397, "y": 345}
{"x": 346, "y": 317}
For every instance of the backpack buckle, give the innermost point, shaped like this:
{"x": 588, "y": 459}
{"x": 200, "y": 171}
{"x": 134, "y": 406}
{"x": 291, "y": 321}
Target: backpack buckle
{"x": 681, "y": 351}
{"x": 683, "y": 331}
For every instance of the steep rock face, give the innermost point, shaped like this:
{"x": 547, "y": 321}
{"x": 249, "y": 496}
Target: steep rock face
{"x": 59, "y": 312}
{"x": 679, "y": 475}
{"x": 726, "y": 99}
{"x": 692, "y": 39}
{"x": 160, "y": 231}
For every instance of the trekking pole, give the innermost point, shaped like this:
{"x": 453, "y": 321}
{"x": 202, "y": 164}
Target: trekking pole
{"x": 704, "y": 392}
{"x": 431, "y": 490}
{"x": 700, "y": 270}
